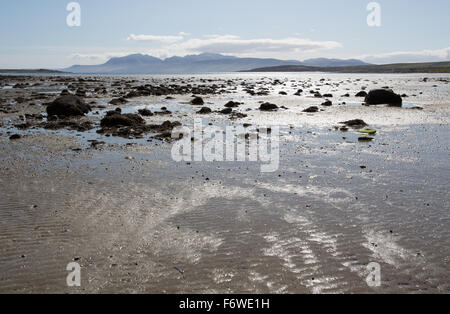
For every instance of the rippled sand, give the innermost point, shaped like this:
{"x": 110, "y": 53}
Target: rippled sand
{"x": 149, "y": 224}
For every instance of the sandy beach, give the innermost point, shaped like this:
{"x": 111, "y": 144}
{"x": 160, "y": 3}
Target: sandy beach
{"x": 115, "y": 201}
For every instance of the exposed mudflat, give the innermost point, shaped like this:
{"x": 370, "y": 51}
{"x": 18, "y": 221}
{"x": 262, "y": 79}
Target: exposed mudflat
{"x": 138, "y": 222}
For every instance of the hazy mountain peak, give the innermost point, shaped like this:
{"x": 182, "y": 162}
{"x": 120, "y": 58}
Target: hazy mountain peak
{"x": 200, "y": 63}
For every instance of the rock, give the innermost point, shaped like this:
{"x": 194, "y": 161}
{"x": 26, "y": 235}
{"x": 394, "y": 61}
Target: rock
{"x": 383, "y": 97}
{"x": 226, "y": 111}
{"x": 115, "y": 119}
{"x": 282, "y": 93}
{"x": 328, "y": 95}
{"x": 328, "y": 103}
{"x": 15, "y": 137}
{"x": 118, "y": 101}
{"x": 268, "y": 107}
{"x": 365, "y": 139}
{"x": 232, "y": 104}
{"x": 72, "y": 124}
{"x": 312, "y": 109}
{"x": 357, "y": 123}
{"x": 65, "y": 92}
{"x": 197, "y": 101}
{"x": 361, "y": 94}
{"x": 145, "y": 112}
{"x": 68, "y": 106}
{"x": 237, "y": 115}
{"x": 204, "y": 110}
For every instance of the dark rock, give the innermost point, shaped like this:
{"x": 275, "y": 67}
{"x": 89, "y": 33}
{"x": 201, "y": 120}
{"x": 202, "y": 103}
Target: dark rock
{"x": 114, "y": 119}
{"x": 15, "y": 137}
{"x": 68, "y": 106}
{"x": 197, "y": 101}
{"x": 268, "y": 107}
{"x": 328, "y": 95}
{"x": 365, "y": 139}
{"x": 118, "y": 101}
{"x": 328, "y": 103}
{"x": 237, "y": 115}
{"x": 357, "y": 123}
{"x": 145, "y": 112}
{"x": 232, "y": 104}
{"x": 361, "y": 94}
{"x": 312, "y": 109}
{"x": 383, "y": 97}
{"x": 226, "y": 111}
{"x": 205, "y": 110}
{"x": 72, "y": 124}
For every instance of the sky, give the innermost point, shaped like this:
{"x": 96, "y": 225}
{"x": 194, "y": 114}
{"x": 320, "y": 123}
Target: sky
{"x": 36, "y": 34}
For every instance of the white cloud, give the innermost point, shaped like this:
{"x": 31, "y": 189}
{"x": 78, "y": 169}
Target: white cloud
{"x": 230, "y": 44}
{"x": 157, "y": 38}
{"x": 436, "y": 55}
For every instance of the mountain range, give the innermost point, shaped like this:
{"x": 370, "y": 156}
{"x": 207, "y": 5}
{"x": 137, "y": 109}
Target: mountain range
{"x": 202, "y": 63}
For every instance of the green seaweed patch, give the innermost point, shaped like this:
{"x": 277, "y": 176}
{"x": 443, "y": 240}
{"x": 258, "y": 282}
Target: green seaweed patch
{"x": 368, "y": 131}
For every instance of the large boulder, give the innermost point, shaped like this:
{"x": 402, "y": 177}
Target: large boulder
{"x": 383, "y": 97}
{"x": 68, "y": 106}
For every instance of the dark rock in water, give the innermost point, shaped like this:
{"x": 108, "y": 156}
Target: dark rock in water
{"x": 163, "y": 111}
{"x": 197, "y": 101}
{"x": 361, "y": 94}
{"x": 357, "y": 123}
{"x": 15, "y": 137}
{"x": 237, "y": 115}
{"x": 145, "y": 112}
{"x": 318, "y": 95}
{"x": 226, "y": 111}
{"x": 115, "y": 119}
{"x": 118, "y": 101}
{"x": 282, "y": 93}
{"x": 232, "y": 104}
{"x": 68, "y": 106}
{"x": 298, "y": 92}
{"x": 346, "y": 95}
{"x": 312, "y": 109}
{"x": 365, "y": 139}
{"x": 328, "y": 103}
{"x": 205, "y": 110}
{"x": 72, "y": 124}
{"x": 65, "y": 93}
{"x": 328, "y": 95}
{"x": 268, "y": 107}
{"x": 384, "y": 97}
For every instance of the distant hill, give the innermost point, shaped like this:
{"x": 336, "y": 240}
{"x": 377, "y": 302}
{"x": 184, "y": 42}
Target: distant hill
{"x": 202, "y": 63}
{"x": 431, "y": 67}
{"x": 322, "y": 62}
{"x": 15, "y": 71}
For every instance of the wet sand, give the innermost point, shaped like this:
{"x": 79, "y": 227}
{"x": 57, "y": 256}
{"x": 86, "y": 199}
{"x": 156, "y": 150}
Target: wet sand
{"x": 138, "y": 222}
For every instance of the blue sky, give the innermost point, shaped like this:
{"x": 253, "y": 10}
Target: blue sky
{"x": 35, "y": 33}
